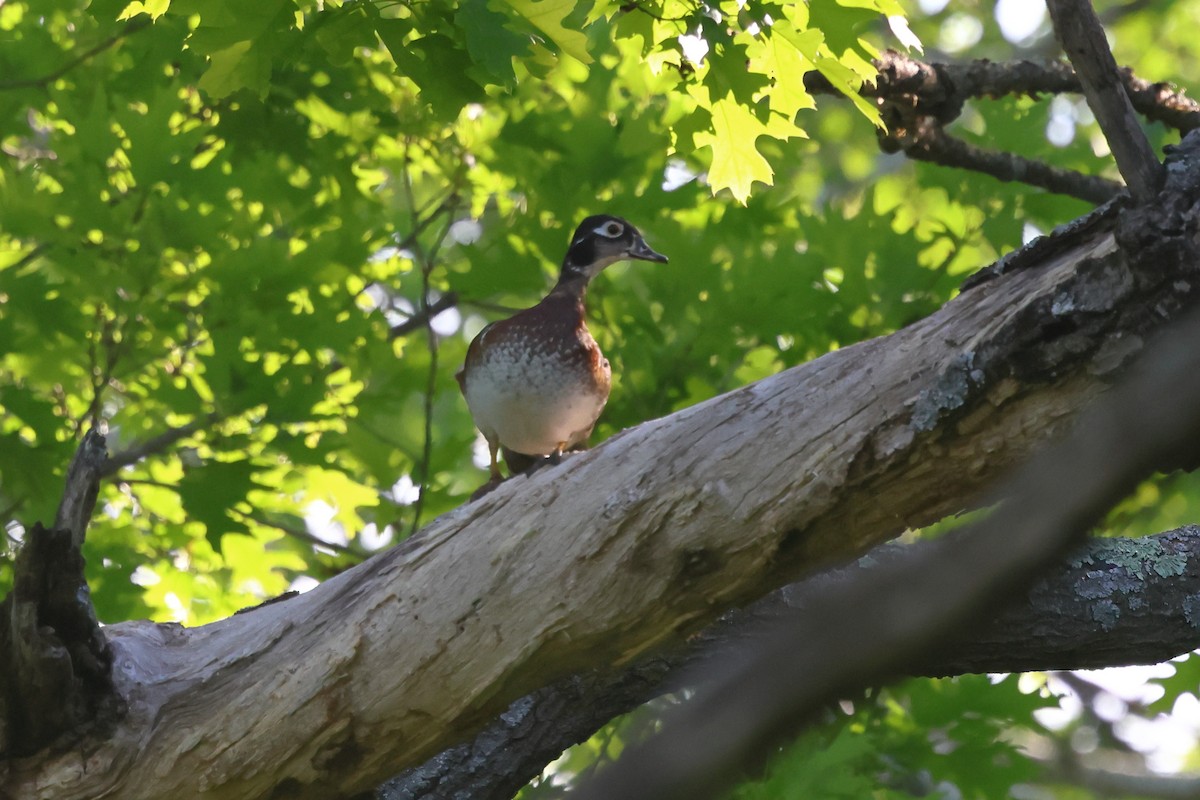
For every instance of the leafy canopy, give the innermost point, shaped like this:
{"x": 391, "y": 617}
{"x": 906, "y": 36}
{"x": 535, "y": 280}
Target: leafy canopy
{"x": 215, "y": 211}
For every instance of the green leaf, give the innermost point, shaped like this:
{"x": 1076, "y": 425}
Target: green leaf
{"x": 209, "y": 493}
{"x": 848, "y": 82}
{"x": 239, "y": 66}
{"x": 785, "y": 53}
{"x": 237, "y": 40}
{"x": 154, "y": 8}
{"x": 728, "y": 75}
{"x": 547, "y": 16}
{"x": 736, "y": 162}
{"x": 490, "y": 43}
{"x": 886, "y": 7}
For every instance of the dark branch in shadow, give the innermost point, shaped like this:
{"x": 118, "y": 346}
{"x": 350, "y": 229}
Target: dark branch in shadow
{"x": 55, "y": 662}
{"x": 919, "y": 100}
{"x": 930, "y": 142}
{"x": 419, "y": 320}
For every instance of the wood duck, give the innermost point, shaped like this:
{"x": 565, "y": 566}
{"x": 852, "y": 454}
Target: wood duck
{"x": 535, "y": 383}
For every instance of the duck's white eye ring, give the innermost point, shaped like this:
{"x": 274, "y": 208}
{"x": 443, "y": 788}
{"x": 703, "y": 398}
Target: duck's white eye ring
{"x": 611, "y": 229}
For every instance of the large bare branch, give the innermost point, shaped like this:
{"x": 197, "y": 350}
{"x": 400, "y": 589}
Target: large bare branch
{"x": 870, "y": 629}
{"x": 631, "y": 545}
{"x": 1113, "y": 602}
{"x": 941, "y": 89}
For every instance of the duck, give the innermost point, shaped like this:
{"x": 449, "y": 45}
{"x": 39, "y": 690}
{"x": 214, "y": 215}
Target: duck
{"x": 536, "y": 382}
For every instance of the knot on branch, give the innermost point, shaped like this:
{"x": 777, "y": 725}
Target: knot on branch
{"x": 1170, "y": 224}
{"x": 918, "y": 97}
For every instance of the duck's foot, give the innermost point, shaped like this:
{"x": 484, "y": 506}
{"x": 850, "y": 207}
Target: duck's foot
{"x": 544, "y": 461}
{"x": 523, "y": 464}
{"x": 518, "y": 462}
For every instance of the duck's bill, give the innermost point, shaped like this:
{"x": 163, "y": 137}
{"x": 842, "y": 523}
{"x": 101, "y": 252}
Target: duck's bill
{"x": 642, "y": 251}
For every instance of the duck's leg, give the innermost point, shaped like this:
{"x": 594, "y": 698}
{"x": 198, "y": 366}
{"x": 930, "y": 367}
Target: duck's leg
{"x": 493, "y": 453}
{"x": 495, "y": 478}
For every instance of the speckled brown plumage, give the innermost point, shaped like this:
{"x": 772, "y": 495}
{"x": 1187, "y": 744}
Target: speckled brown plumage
{"x": 536, "y": 382}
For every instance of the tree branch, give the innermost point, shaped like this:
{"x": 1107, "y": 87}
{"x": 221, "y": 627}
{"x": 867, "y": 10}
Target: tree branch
{"x": 133, "y": 26}
{"x": 422, "y": 316}
{"x": 303, "y": 534}
{"x": 156, "y": 444}
{"x": 638, "y": 542}
{"x": 1105, "y": 781}
{"x": 868, "y": 630}
{"x": 55, "y": 663}
{"x": 1082, "y": 38}
{"x": 1114, "y": 602}
{"x": 918, "y": 100}
{"x": 940, "y": 90}
{"x": 930, "y": 142}
{"x": 83, "y": 486}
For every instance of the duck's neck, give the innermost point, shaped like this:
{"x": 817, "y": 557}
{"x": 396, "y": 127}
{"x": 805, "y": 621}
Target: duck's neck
{"x": 572, "y": 285}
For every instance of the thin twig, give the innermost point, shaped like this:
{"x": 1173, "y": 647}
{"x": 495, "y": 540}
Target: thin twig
{"x": 1082, "y": 38}
{"x": 632, "y": 5}
{"x": 37, "y": 83}
{"x": 157, "y": 444}
{"x": 428, "y": 261}
{"x": 131, "y": 482}
{"x": 422, "y": 317}
{"x": 304, "y": 535}
{"x": 100, "y": 376}
{"x": 424, "y": 218}
{"x": 929, "y": 142}
{"x": 427, "y": 445}
{"x": 421, "y": 221}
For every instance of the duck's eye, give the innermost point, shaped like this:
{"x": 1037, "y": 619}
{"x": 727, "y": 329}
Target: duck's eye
{"x": 612, "y": 229}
